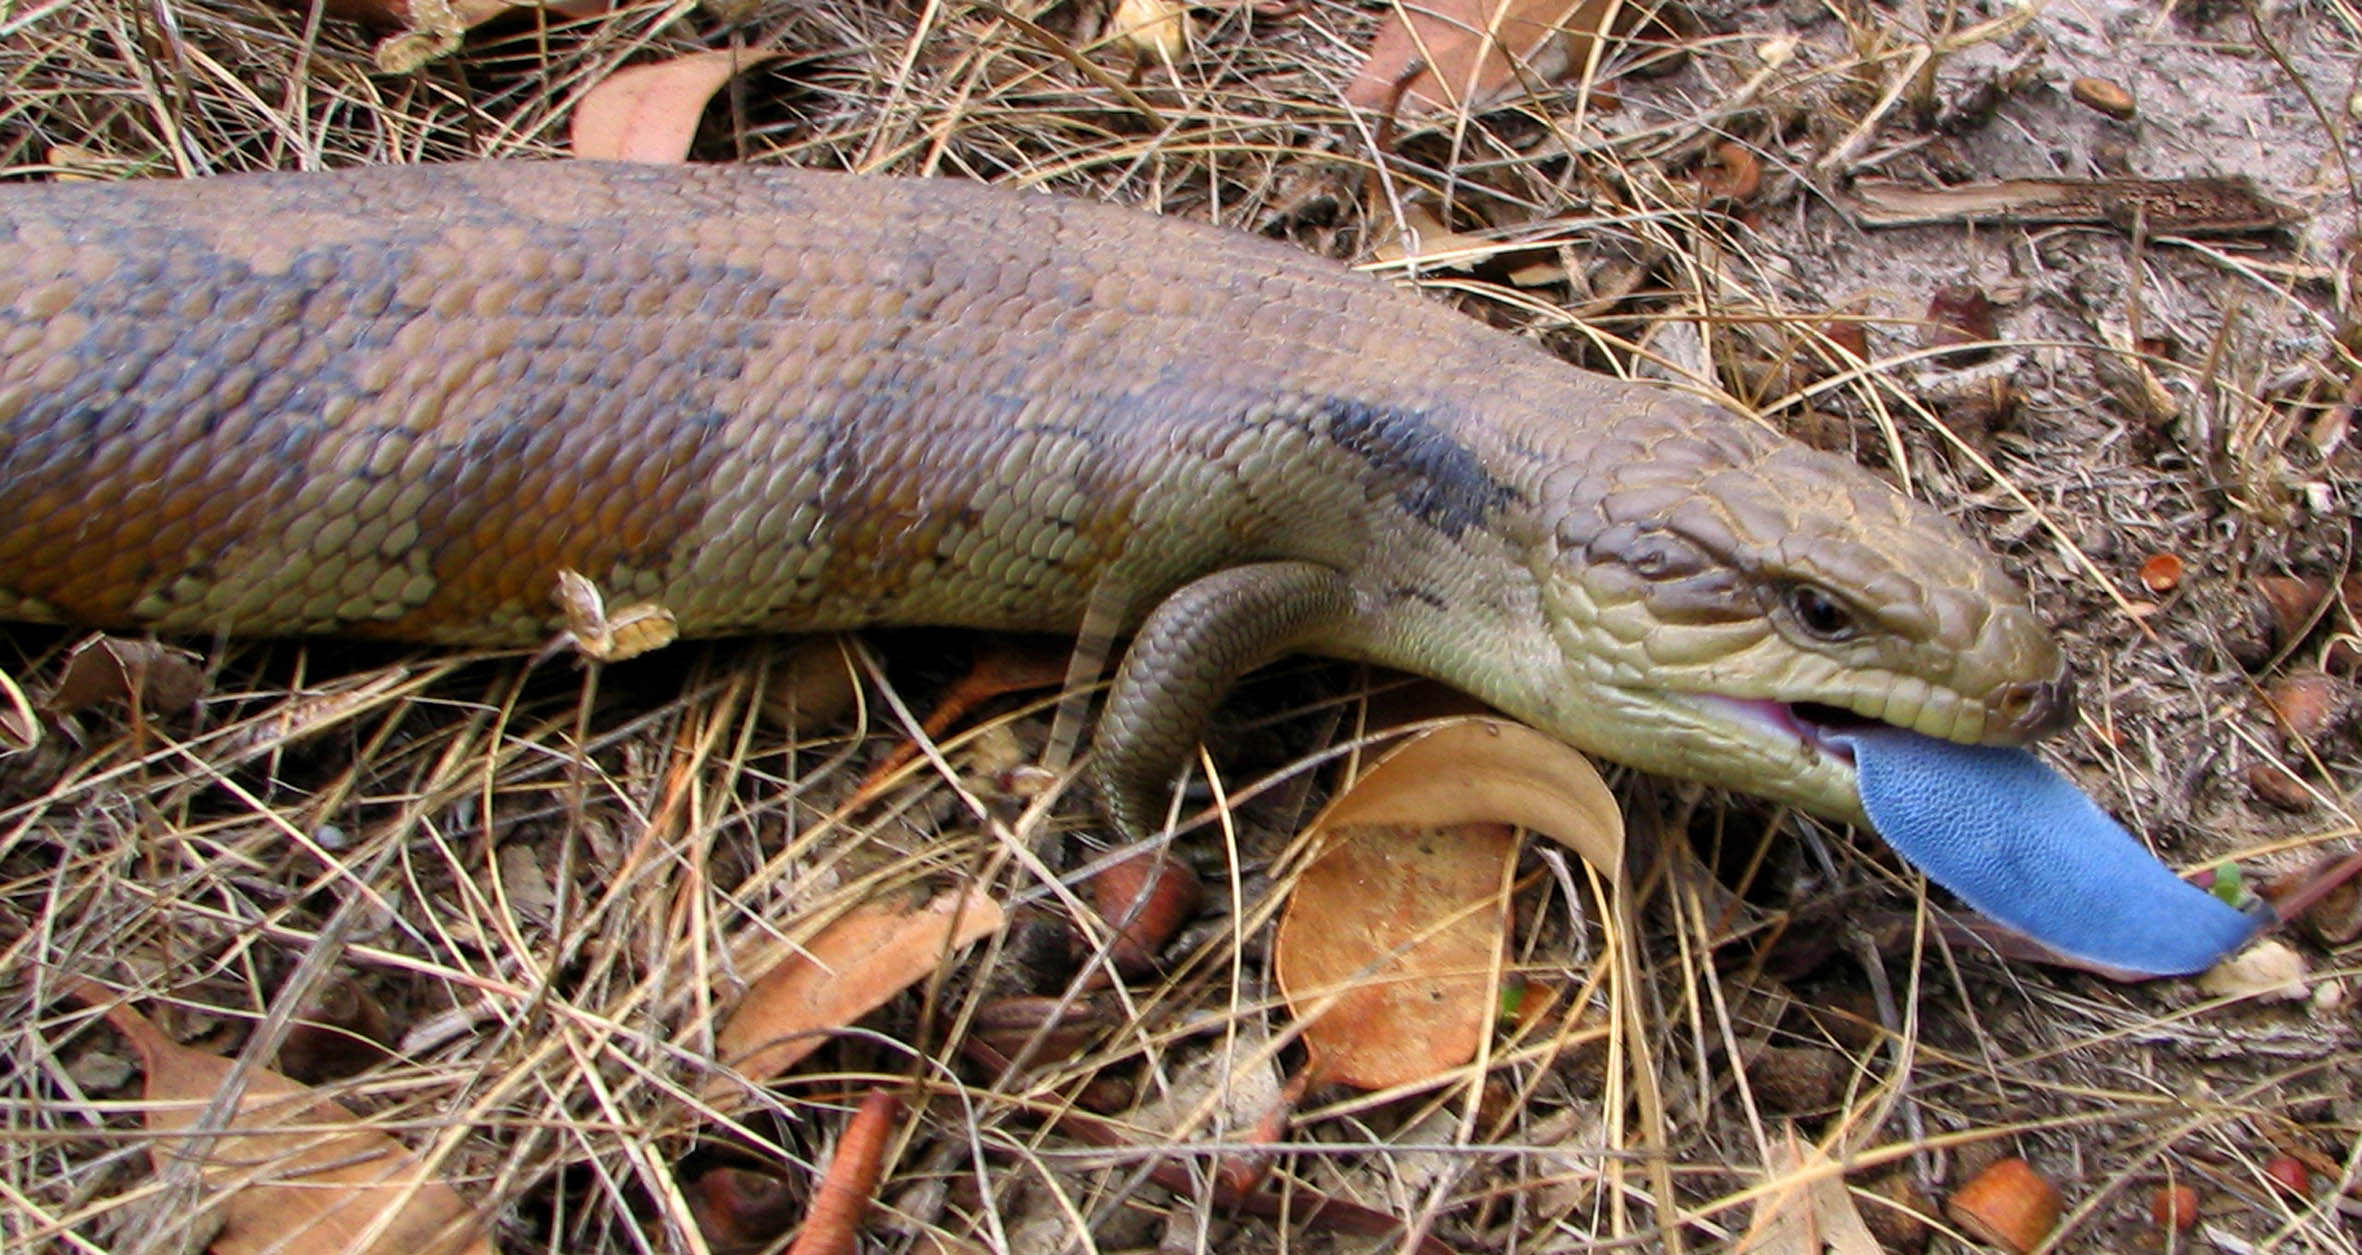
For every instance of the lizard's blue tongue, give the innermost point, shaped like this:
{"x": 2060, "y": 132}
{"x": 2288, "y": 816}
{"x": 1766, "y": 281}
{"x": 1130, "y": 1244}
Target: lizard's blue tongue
{"x": 2021, "y": 844}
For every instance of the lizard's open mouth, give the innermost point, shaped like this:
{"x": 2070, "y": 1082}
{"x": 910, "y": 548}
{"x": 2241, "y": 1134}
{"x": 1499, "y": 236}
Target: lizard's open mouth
{"x": 1811, "y": 724}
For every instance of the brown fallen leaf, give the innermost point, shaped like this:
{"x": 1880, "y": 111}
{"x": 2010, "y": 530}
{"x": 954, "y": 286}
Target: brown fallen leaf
{"x": 839, "y": 975}
{"x": 144, "y": 674}
{"x": 604, "y": 635}
{"x": 1730, "y": 173}
{"x": 343, "y": 1030}
{"x": 298, "y": 1172}
{"x": 2310, "y": 706}
{"x": 1425, "y": 241}
{"x": 1389, "y": 941}
{"x": 1805, "y": 1209}
{"x": 2105, "y": 97}
{"x": 1392, "y": 934}
{"x": 1490, "y": 770}
{"x": 467, "y": 13}
{"x": 1472, "y": 54}
{"x": 813, "y": 682}
{"x": 1151, "y": 30}
{"x": 650, "y": 112}
{"x": 1959, "y": 318}
{"x": 1002, "y": 665}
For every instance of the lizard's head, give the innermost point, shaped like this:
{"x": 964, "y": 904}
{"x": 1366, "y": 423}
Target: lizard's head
{"x": 1736, "y": 598}
{"x": 1734, "y": 608}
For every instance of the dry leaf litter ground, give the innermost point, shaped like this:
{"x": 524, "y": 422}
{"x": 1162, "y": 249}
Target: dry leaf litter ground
{"x": 539, "y": 882}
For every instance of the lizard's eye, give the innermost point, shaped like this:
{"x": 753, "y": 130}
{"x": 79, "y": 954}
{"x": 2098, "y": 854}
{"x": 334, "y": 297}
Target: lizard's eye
{"x": 1821, "y": 614}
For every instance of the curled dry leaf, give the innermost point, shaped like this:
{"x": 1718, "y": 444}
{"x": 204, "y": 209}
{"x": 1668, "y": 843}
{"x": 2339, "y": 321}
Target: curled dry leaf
{"x": 302, "y": 1173}
{"x": 650, "y": 112}
{"x": 1151, "y": 30}
{"x": 604, "y": 635}
{"x": 140, "y": 673}
{"x": 2274, "y": 786}
{"x": 840, "y": 974}
{"x": 1391, "y": 936}
{"x": 811, "y": 685}
{"x": 1442, "y": 55}
{"x": 1960, "y": 318}
{"x": 1806, "y": 1209}
{"x": 2267, "y": 971}
{"x": 1730, "y": 173}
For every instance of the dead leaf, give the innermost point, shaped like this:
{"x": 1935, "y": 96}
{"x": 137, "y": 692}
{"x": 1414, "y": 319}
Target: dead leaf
{"x": 396, "y": 14}
{"x": 1474, "y": 54}
{"x": 2267, "y": 971}
{"x": 1391, "y": 935}
{"x": 1426, "y": 242}
{"x": 811, "y": 684}
{"x": 1730, "y": 173}
{"x": 1805, "y": 1209}
{"x": 1959, "y": 318}
{"x": 842, "y": 973}
{"x": 531, "y": 897}
{"x": 343, "y": 1030}
{"x": 1389, "y": 942}
{"x": 604, "y": 635}
{"x": 1490, "y": 770}
{"x": 145, "y": 674}
{"x": 299, "y": 1172}
{"x": 1150, "y": 30}
{"x": 650, "y": 112}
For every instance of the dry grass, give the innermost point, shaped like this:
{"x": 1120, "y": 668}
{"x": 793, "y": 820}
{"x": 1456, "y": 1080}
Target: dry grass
{"x": 541, "y": 873}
